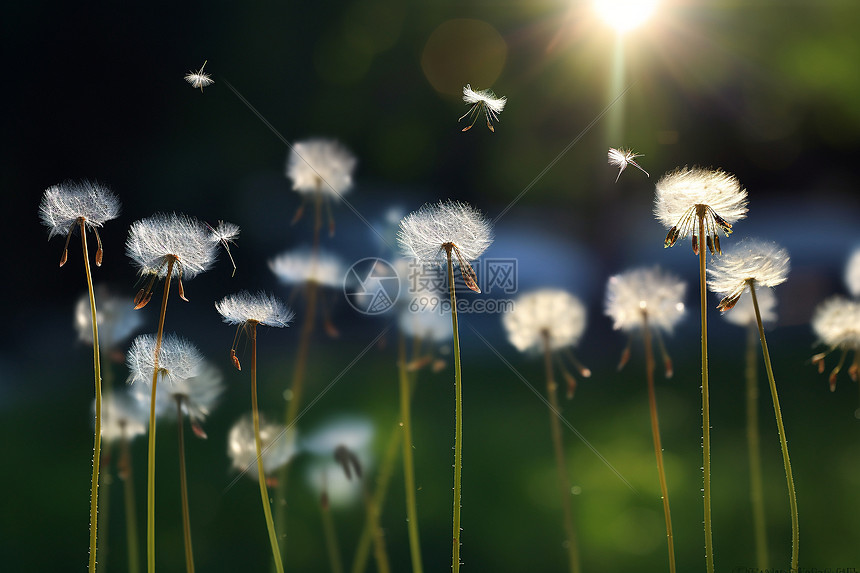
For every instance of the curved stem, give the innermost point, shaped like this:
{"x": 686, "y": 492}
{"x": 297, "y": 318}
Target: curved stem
{"x": 792, "y": 498}
{"x": 380, "y": 554}
{"x": 264, "y": 492}
{"x": 150, "y": 466}
{"x": 408, "y": 462}
{"x": 561, "y": 465}
{"x": 183, "y": 485}
{"x": 655, "y": 433}
{"x": 105, "y": 481}
{"x": 331, "y": 544}
{"x": 97, "y": 441}
{"x": 458, "y": 418}
{"x": 130, "y": 511}
{"x": 754, "y": 451}
{"x": 706, "y": 415}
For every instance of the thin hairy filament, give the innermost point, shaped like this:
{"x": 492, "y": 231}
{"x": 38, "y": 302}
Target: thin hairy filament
{"x": 408, "y": 462}
{"x": 264, "y": 492}
{"x": 97, "y": 441}
{"x": 183, "y": 485}
{"x": 458, "y": 417}
{"x": 754, "y": 451}
{"x": 792, "y": 497}
{"x": 655, "y": 433}
{"x": 126, "y": 475}
{"x": 706, "y": 415}
{"x": 331, "y": 544}
{"x": 150, "y": 466}
{"x": 561, "y": 465}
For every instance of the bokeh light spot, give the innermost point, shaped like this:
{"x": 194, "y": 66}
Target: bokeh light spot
{"x": 462, "y": 51}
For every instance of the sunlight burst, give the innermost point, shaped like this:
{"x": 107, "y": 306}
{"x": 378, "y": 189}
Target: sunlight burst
{"x": 624, "y": 15}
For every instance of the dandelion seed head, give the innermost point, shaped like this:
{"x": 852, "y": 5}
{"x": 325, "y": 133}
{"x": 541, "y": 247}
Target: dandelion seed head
{"x": 177, "y": 360}
{"x": 743, "y": 313}
{"x": 658, "y": 293}
{"x": 423, "y": 232}
{"x": 278, "y": 446}
{"x": 852, "y": 273}
{"x": 356, "y": 433}
{"x": 64, "y": 204}
{"x": 262, "y": 308}
{"x": 122, "y": 417}
{"x": 551, "y": 315}
{"x": 152, "y": 241}
{"x": 321, "y": 165}
{"x": 836, "y": 323}
{"x": 485, "y": 97}
{"x": 199, "y": 78}
{"x": 117, "y": 319}
{"x": 301, "y": 266}
{"x": 752, "y": 260}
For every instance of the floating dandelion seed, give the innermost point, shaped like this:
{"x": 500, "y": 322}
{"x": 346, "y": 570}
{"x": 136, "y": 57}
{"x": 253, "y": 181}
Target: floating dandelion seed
{"x": 751, "y": 261}
{"x": 199, "y": 79}
{"x": 621, "y": 158}
{"x": 225, "y": 233}
{"x": 484, "y": 100}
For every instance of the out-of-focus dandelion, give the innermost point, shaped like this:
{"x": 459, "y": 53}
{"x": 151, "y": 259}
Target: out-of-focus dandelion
{"x": 754, "y": 264}
{"x": 461, "y": 232}
{"x": 199, "y": 78}
{"x": 484, "y": 100}
{"x": 117, "y": 319}
{"x": 743, "y": 313}
{"x": 836, "y": 323}
{"x": 63, "y": 209}
{"x": 700, "y": 202}
{"x": 320, "y": 169}
{"x": 549, "y": 322}
{"x": 301, "y": 266}
{"x": 649, "y": 300}
{"x": 225, "y": 234}
{"x": 852, "y": 273}
{"x": 248, "y": 311}
{"x": 278, "y": 447}
{"x": 621, "y": 158}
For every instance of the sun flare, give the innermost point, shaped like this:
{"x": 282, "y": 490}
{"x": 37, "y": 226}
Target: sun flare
{"x": 624, "y": 15}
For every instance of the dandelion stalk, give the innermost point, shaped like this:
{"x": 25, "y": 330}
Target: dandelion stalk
{"x": 94, "y": 492}
{"x": 183, "y": 485}
{"x": 408, "y": 462}
{"x": 655, "y": 432}
{"x": 331, "y": 544}
{"x": 458, "y": 416}
{"x": 127, "y": 476}
{"x": 792, "y": 498}
{"x": 261, "y": 474}
{"x": 754, "y": 451}
{"x": 561, "y": 465}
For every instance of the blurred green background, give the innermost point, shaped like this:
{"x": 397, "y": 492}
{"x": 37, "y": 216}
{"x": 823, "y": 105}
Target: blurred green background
{"x": 767, "y": 90}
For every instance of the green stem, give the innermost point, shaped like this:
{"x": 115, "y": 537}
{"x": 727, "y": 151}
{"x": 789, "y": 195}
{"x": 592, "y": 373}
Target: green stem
{"x": 105, "y": 480}
{"x": 264, "y": 492}
{"x": 130, "y": 511}
{"x": 408, "y": 462}
{"x": 150, "y": 466}
{"x": 655, "y": 433}
{"x": 183, "y": 485}
{"x": 379, "y": 552}
{"x": 561, "y": 465}
{"x": 706, "y": 415}
{"x": 754, "y": 451}
{"x": 458, "y": 417}
{"x": 97, "y": 441}
{"x": 331, "y": 539}
{"x": 783, "y": 442}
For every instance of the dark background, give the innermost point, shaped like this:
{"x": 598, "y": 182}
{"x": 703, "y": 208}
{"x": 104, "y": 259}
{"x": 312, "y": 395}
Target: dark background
{"x": 767, "y": 90}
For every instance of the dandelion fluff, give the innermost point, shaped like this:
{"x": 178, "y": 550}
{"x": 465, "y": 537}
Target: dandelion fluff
{"x": 321, "y": 165}
{"x": 302, "y": 265}
{"x": 552, "y": 313}
{"x": 178, "y": 359}
{"x": 152, "y": 241}
{"x": 652, "y": 290}
{"x": 261, "y": 308}
{"x": 64, "y": 204}
{"x": 278, "y": 446}
{"x": 836, "y": 323}
{"x": 423, "y": 232}
{"x": 852, "y": 273}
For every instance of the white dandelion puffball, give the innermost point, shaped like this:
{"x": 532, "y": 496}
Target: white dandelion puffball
{"x": 65, "y": 204}
{"x": 278, "y": 446}
{"x": 153, "y": 241}
{"x": 199, "y": 78}
{"x": 122, "y": 417}
{"x": 178, "y": 359}
{"x": 425, "y": 325}
{"x": 321, "y": 165}
{"x": 301, "y": 266}
{"x": 260, "y": 308}
{"x": 355, "y": 433}
{"x": 836, "y": 322}
{"x": 680, "y": 191}
{"x": 660, "y": 295}
{"x": 423, "y": 232}
{"x": 548, "y": 315}
{"x": 199, "y": 394}
{"x": 852, "y": 273}
{"x": 117, "y": 319}
{"x": 743, "y": 313}
{"x": 752, "y": 260}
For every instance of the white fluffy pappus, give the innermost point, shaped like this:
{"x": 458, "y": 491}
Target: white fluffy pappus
{"x": 153, "y": 241}
{"x": 178, "y": 359}
{"x": 198, "y": 394}
{"x": 199, "y": 78}
{"x": 117, "y": 319}
{"x": 425, "y": 325}
{"x": 653, "y": 291}
{"x": 262, "y": 308}
{"x": 321, "y": 166}
{"x": 278, "y": 446}
{"x": 122, "y": 417}
{"x": 544, "y": 316}
{"x": 751, "y": 261}
{"x": 621, "y": 158}
{"x": 484, "y": 100}
{"x": 423, "y": 232}
{"x": 65, "y": 204}
{"x": 743, "y": 313}
{"x": 852, "y": 273}
{"x": 836, "y": 323}
{"x": 300, "y": 266}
